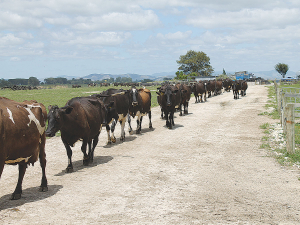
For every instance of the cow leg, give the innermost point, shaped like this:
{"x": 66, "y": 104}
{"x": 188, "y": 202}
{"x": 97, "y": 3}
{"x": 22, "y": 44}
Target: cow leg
{"x": 167, "y": 121}
{"x": 129, "y": 124}
{"x": 113, "y": 126}
{"x": 1, "y": 167}
{"x": 42, "y": 156}
{"x": 69, "y": 168}
{"x": 108, "y": 134}
{"x": 172, "y": 119}
{"x": 186, "y": 110}
{"x": 150, "y": 122}
{"x": 123, "y": 121}
{"x": 18, "y": 191}
{"x": 139, "y": 124}
{"x": 83, "y": 149}
{"x": 162, "y": 113}
{"x": 91, "y": 150}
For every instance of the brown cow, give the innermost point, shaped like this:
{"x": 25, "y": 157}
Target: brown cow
{"x": 117, "y": 112}
{"x": 244, "y": 87}
{"x": 168, "y": 98}
{"x": 185, "y": 95}
{"x": 80, "y": 119}
{"x": 140, "y": 106}
{"x": 199, "y": 89}
{"x": 22, "y": 142}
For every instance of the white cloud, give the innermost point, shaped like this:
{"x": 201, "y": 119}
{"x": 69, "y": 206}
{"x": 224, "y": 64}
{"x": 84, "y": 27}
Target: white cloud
{"x": 101, "y": 38}
{"x": 10, "y": 40}
{"x": 175, "y": 36}
{"x": 244, "y": 19}
{"x": 15, "y": 59}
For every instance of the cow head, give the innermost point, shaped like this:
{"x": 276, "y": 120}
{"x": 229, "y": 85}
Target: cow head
{"x": 168, "y": 92}
{"x": 109, "y": 110}
{"x": 133, "y": 94}
{"x": 54, "y": 118}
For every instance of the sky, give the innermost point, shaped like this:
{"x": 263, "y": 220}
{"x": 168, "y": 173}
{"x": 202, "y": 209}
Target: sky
{"x": 76, "y": 38}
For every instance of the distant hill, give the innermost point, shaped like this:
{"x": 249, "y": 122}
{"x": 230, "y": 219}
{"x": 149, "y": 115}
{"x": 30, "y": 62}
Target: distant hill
{"x": 134, "y": 77}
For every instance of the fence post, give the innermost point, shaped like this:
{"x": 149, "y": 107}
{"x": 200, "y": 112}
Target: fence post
{"x": 282, "y": 109}
{"x": 290, "y": 127}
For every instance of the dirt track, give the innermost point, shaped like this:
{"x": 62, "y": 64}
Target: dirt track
{"x": 208, "y": 169}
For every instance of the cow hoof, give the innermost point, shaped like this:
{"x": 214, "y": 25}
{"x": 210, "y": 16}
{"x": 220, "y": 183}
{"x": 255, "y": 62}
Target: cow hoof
{"x": 108, "y": 143}
{"x": 131, "y": 132}
{"x": 15, "y": 196}
{"x": 69, "y": 170}
{"x": 113, "y": 140}
{"x": 43, "y": 189}
{"x": 86, "y": 162}
{"x": 138, "y": 132}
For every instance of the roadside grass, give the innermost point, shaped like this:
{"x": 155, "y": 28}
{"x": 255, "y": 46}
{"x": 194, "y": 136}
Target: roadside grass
{"x": 277, "y": 146}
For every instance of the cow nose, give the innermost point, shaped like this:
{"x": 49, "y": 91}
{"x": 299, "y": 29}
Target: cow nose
{"x": 49, "y": 134}
{"x": 134, "y": 103}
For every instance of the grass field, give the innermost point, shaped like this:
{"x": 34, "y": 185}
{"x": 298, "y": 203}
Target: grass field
{"x": 59, "y": 95}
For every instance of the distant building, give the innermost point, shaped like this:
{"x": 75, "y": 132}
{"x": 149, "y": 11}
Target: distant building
{"x": 201, "y": 78}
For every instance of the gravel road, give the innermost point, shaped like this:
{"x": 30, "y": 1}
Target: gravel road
{"x": 208, "y": 169}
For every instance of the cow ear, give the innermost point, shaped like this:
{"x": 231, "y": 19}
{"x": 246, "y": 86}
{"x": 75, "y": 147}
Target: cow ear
{"x": 94, "y": 101}
{"x": 68, "y": 110}
{"x": 110, "y": 104}
{"x": 49, "y": 107}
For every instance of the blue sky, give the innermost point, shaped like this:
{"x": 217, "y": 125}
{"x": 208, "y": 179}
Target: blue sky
{"x": 77, "y": 38}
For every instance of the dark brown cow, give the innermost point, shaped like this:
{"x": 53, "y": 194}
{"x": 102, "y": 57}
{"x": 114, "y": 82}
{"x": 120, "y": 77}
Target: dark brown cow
{"x": 236, "y": 87}
{"x": 185, "y": 95}
{"x": 80, "y": 119}
{"x": 244, "y": 87}
{"x": 199, "y": 90}
{"x": 22, "y": 142}
{"x": 140, "y": 105}
{"x": 168, "y": 100}
{"x": 227, "y": 84}
{"x": 117, "y": 112}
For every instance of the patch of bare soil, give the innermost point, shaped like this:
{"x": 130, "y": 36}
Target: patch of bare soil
{"x": 208, "y": 169}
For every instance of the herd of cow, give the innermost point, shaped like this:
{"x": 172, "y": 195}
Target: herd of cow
{"x": 23, "y": 124}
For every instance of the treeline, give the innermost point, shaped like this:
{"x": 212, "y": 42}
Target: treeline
{"x": 33, "y": 81}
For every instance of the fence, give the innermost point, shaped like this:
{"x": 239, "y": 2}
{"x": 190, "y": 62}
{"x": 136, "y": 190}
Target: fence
{"x": 288, "y": 106}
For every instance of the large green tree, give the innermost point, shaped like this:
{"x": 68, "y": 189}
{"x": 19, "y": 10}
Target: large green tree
{"x": 282, "y": 69}
{"x": 195, "y": 63}
{"x": 33, "y": 81}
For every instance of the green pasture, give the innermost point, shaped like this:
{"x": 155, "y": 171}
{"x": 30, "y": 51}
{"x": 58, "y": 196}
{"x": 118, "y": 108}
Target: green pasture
{"x": 59, "y": 95}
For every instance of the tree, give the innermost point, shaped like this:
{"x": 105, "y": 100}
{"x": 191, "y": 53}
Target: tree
{"x": 180, "y": 75}
{"x": 33, "y": 81}
{"x": 282, "y": 69}
{"x": 224, "y": 73}
{"x": 195, "y": 62}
